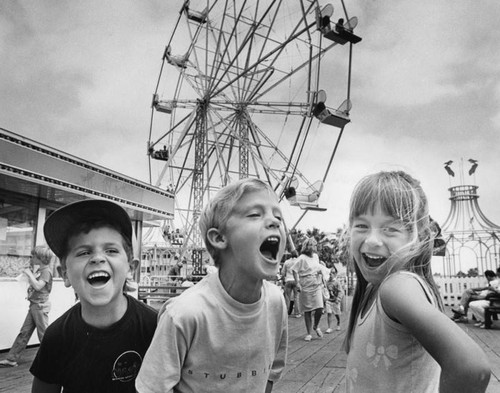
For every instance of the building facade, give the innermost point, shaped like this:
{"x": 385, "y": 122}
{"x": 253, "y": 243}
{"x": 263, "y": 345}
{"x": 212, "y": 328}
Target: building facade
{"x": 35, "y": 180}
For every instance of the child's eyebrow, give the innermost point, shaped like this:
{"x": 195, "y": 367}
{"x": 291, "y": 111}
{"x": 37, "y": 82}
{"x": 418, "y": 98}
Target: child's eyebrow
{"x": 88, "y": 245}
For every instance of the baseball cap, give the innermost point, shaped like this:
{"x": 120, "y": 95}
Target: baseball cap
{"x": 59, "y": 224}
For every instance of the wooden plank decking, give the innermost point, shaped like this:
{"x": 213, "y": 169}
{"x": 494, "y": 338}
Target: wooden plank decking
{"x": 313, "y": 367}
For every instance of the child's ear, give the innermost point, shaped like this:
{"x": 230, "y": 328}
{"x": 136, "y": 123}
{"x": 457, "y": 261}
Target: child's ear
{"x": 216, "y": 239}
{"x": 133, "y": 265}
{"x": 65, "y": 278}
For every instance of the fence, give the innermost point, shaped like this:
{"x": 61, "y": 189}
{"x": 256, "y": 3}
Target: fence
{"x": 451, "y": 288}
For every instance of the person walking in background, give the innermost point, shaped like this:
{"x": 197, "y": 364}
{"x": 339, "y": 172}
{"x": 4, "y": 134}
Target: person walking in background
{"x": 290, "y": 287}
{"x": 308, "y": 278}
{"x": 39, "y": 276}
{"x": 398, "y": 338}
{"x": 333, "y": 304}
{"x": 175, "y": 271}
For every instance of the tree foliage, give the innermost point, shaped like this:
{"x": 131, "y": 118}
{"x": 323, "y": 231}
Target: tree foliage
{"x": 332, "y": 247}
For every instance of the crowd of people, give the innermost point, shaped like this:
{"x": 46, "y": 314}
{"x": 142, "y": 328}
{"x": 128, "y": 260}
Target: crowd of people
{"x": 229, "y": 332}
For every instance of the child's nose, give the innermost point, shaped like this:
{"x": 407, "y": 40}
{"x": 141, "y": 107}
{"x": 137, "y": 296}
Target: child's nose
{"x": 273, "y": 221}
{"x": 97, "y": 258}
{"x": 373, "y": 238}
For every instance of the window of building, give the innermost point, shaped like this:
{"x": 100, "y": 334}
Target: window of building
{"x": 18, "y": 214}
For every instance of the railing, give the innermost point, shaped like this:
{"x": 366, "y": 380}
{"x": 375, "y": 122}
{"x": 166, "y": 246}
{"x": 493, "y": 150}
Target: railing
{"x": 451, "y": 288}
{"x": 159, "y": 289}
{"x": 159, "y": 293}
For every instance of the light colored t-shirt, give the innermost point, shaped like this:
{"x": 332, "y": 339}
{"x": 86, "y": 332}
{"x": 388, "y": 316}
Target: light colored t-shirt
{"x": 306, "y": 266}
{"x": 287, "y": 268}
{"x": 207, "y": 341}
{"x": 41, "y": 296}
{"x": 385, "y": 357}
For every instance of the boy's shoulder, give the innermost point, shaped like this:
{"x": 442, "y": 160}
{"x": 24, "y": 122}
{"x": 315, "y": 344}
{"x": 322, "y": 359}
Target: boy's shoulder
{"x": 141, "y": 309}
{"x": 69, "y": 321}
{"x": 271, "y": 290}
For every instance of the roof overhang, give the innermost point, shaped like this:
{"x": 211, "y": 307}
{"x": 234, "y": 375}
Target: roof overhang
{"x": 31, "y": 168}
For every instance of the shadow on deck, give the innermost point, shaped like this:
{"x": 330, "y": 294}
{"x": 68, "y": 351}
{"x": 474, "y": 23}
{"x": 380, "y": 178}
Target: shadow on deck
{"x": 313, "y": 367}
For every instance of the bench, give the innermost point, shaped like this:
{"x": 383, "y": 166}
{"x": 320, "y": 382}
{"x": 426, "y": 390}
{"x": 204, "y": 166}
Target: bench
{"x": 161, "y": 293}
{"x": 492, "y": 311}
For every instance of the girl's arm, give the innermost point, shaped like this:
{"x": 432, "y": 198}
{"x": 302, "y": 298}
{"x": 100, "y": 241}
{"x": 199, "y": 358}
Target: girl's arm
{"x": 464, "y": 366}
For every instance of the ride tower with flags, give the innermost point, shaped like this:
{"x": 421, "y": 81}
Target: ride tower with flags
{"x": 472, "y": 240}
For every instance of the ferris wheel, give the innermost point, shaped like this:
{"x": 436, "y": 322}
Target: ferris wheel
{"x": 242, "y": 93}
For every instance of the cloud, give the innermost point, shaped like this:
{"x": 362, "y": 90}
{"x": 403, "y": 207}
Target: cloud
{"x": 425, "y": 88}
{"x": 415, "y": 53}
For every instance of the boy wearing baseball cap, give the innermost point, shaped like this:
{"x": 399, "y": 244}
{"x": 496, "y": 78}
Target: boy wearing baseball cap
{"x": 97, "y": 345}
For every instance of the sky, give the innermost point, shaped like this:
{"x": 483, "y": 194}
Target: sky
{"x": 79, "y": 76}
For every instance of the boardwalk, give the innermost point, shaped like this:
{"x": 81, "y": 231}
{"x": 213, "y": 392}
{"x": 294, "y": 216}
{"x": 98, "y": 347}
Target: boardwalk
{"x": 313, "y": 367}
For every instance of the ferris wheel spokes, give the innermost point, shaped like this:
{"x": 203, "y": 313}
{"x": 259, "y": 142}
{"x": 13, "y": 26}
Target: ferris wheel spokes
{"x": 248, "y": 77}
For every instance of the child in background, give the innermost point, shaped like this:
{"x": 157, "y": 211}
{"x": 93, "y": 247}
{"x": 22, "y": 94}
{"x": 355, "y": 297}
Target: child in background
{"x": 398, "y": 339}
{"x": 332, "y": 305}
{"x": 290, "y": 288}
{"x": 98, "y": 344}
{"x": 39, "y": 277}
{"x": 229, "y": 332}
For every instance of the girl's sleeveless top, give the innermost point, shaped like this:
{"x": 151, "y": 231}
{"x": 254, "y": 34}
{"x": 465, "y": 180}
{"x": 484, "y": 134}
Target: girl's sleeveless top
{"x": 385, "y": 357}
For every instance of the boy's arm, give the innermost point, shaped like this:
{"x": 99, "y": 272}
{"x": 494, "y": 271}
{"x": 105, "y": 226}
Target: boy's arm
{"x": 39, "y": 386}
{"x": 464, "y": 366}
{"x": 279, "y": 362}
{"x": 161, "y": 368}
{"x": 37, "y": 284}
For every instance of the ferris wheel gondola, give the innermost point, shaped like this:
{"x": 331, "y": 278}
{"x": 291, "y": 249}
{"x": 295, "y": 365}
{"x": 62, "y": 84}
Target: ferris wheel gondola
{"x": 243, "y": 101}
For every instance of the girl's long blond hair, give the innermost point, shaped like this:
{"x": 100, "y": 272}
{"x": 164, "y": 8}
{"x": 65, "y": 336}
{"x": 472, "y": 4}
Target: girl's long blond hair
{"x": 401, "y": 196}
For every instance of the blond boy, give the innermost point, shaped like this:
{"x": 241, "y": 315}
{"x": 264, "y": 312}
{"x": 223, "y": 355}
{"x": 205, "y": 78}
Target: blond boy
{"x": 228, "y": 333}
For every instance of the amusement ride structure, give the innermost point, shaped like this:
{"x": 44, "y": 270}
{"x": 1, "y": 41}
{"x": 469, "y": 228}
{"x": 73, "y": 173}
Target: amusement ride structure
{"x": 242, "y": 93}
{"x": 467, "y": 231}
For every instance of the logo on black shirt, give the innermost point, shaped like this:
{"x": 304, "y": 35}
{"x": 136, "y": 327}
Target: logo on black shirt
{"x": 126, "y": 366}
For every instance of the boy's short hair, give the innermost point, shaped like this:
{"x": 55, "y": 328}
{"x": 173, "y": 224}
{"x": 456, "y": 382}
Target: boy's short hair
{"x": 81, "y": 217}
{"x": 43, "y": 254}
{"x": 218, "y": 209}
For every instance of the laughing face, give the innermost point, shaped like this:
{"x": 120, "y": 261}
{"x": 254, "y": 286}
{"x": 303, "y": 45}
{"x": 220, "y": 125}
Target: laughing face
{"x": 375, "y": 237}
{"x": 255, "y": 235}
{"x": 97, "y": 267}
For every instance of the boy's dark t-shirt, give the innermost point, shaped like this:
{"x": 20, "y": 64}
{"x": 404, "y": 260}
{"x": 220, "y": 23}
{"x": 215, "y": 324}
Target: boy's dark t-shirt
{"x": 82, "y": 358}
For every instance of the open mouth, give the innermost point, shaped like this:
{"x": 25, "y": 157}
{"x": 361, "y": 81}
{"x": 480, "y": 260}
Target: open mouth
{"x": 270, "y": 247}
{"x": 98, "y": 278}
{"x": 373, "y": 260}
